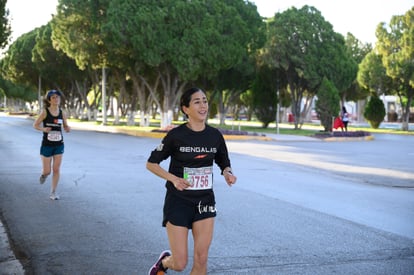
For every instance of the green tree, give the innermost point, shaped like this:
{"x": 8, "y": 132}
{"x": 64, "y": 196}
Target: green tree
{"x": 264, "y": 96}
{"x": 246, "y": 100}
{"x": 55, "y": 67}
{"x": 374, "y": 112}
{"x": 5, "y": 29}
{"x": 58, "y": 71}
{"x": 357, "y": 50}
{"x": 327, "y": 104}
{"x": 306, "y": 48}
{"x": 129, "y": 52}
{"x": 16, "y": 64}
{"x": 180, "y": 41}
{"x": 77, "y": 30}
{"x": 372, "y": 75}
{"x": 17, "y": 91}
{"x": 396, "y": 46}
{"x": 229, "y": 85}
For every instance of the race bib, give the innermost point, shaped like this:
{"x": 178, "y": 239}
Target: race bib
{"x": 54, "y": 136}
{"x": 199, "y": 178}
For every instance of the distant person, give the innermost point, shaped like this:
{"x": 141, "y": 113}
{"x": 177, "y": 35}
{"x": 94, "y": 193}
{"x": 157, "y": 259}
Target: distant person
{"x": 51, "y": 121}
{"x": 189, "y": 202}
{"x": 338, "y": 123}
{"x": 345, "y": 118}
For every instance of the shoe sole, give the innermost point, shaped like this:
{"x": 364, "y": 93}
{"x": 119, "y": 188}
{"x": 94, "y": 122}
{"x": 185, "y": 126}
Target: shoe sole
{"x": 163, "y": 254}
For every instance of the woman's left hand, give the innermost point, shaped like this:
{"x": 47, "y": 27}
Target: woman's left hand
{"x": 230, "y": 179}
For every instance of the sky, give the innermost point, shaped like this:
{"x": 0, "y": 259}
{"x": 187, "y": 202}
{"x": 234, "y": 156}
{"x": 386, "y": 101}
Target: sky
{"x": 359, "y": 17}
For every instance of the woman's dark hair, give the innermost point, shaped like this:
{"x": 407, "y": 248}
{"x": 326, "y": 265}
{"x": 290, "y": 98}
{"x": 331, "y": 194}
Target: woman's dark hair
{"x": 49, "y": 94}
{"x": 186, "y": 98}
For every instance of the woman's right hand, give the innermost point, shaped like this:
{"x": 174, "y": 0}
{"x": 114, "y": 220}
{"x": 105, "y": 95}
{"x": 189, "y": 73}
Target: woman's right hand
{"x": 180, "y": 184}
{"x": 47, "y": 129}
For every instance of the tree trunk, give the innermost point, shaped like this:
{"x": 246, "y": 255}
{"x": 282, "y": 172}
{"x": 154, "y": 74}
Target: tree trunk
{"x": 406, "y": 117}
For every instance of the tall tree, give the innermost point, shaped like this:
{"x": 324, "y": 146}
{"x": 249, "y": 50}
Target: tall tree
{"x": 231, "y": 82}
{"x": 17, "y": 92}
{"x": 327, "y": 104}
{"x": 180, "y": 41}
{"x": 357, "y": 50}
{"x": 372, "y": 75}
{"x": 77, "y": 31}
{"x": 396, "y": 46}
{"x": 306, "y": 48}
{"x": 58, "y": 71}
{"x": 264, "y": 95}
{"x": 5, "y": 28}
{"x": 16, "y": 64}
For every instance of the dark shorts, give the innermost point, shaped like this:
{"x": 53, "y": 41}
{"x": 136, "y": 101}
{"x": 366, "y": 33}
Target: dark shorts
{"x": 180, "y": 212}
{"x": 48, "y": 151}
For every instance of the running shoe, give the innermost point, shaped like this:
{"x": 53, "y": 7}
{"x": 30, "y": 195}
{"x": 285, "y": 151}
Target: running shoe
{"x": 54, "y": 196}
{"x": 157, "y": 268}
{"x": 42, "y": 179}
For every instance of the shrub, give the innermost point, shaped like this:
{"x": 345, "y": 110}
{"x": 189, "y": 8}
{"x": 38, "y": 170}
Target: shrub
{"x": 374, "y": 112}
{"x": 327, "y": 104}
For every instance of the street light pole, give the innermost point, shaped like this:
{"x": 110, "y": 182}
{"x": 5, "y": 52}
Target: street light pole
{"x": 39, "y": 94}
{"x": 277, "y": 112}
{"x": 104, "y": 120}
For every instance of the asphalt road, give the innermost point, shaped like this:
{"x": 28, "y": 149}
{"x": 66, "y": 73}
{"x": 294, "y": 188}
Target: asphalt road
{"x": 297, "y": 208}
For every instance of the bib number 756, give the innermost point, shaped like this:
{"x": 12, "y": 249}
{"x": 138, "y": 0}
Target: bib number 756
{"x": 199, "y": 178}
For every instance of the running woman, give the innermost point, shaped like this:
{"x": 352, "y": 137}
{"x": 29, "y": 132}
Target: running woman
{"x": 50, "y": 122}
{"x": 189, "y": 201}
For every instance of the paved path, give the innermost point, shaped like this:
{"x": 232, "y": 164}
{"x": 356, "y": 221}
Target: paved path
{"x": 10, "y": 265}
{"x": 8, "y": 262}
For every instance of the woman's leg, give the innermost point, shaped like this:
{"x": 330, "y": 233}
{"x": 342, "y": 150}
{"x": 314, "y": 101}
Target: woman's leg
{"x": 46, "y": 165}
{"x": 202, "y": 235}
{"x": 57, "y": 161}
{"x": 178, "y": 238}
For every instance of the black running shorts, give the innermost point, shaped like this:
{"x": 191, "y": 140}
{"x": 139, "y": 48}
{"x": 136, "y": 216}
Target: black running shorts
{"x": 184, "y": 213}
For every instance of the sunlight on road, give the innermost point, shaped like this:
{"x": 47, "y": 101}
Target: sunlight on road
{"x": 328, "y": 162}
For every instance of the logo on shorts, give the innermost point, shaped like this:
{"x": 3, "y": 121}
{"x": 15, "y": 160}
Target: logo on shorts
{"x": 206, "y": 208}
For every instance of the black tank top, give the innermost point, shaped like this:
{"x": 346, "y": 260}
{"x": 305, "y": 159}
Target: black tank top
{"x": 54, "y": 137}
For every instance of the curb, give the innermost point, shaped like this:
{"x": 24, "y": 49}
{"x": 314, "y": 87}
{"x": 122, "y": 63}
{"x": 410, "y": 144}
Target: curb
{"x": 366, "y": 138}
{"x": 264, "y": 137}
{"x": 8, "y": 262}
{"x": 159, "y": 135}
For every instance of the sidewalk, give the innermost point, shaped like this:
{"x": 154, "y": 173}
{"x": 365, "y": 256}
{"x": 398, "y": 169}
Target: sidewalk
{"x": 9, "y": 265}
{"x": 281, "y": 137}
{"x": 260, "y": 137}
{"x": 160, "y": 135}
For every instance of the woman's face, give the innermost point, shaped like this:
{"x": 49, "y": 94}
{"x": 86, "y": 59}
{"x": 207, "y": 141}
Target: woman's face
{"x": 198, "y": 107}
{"x": 54, "y": 99}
